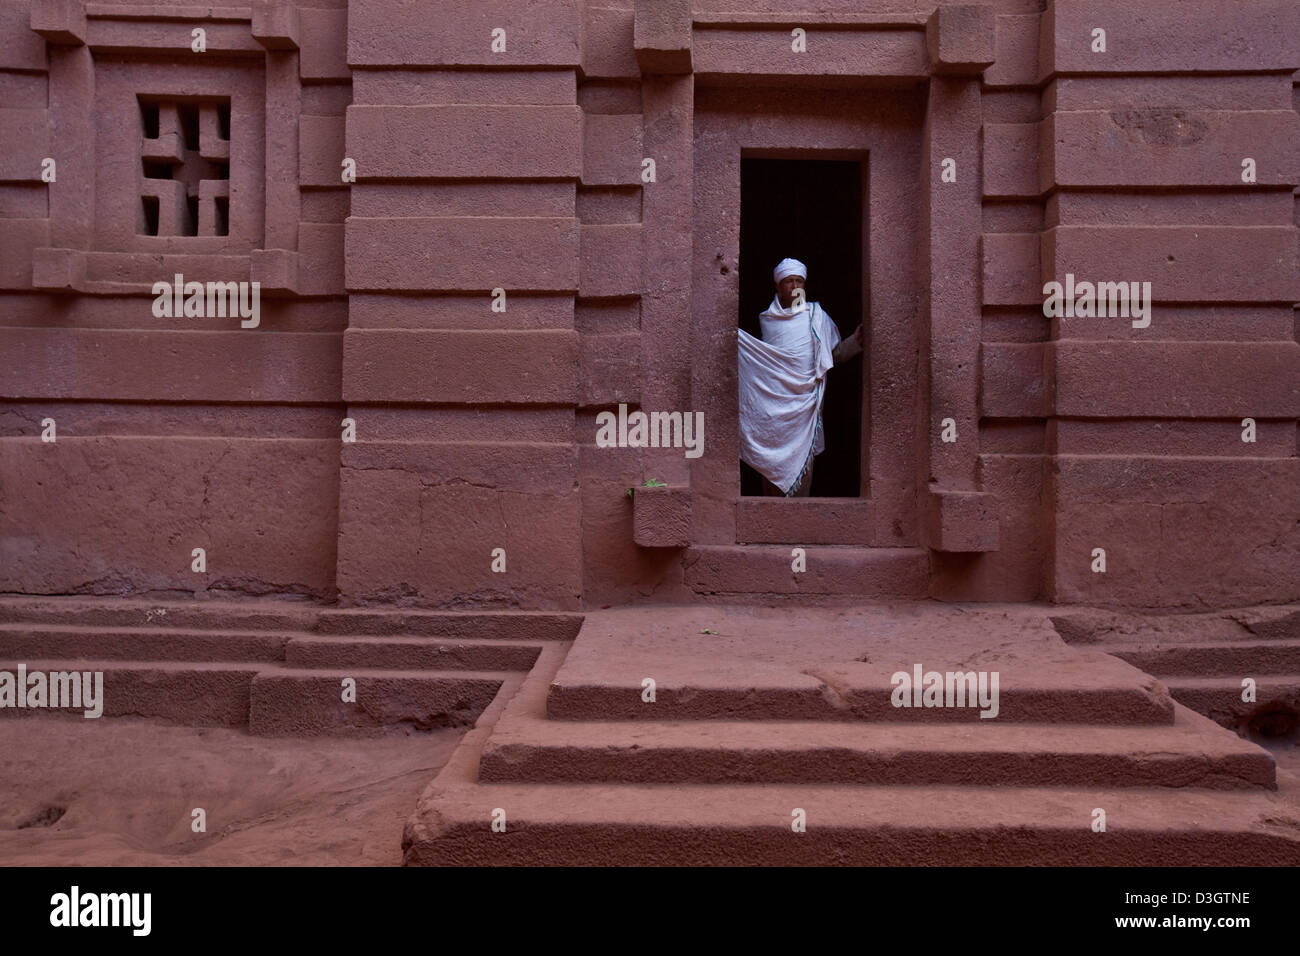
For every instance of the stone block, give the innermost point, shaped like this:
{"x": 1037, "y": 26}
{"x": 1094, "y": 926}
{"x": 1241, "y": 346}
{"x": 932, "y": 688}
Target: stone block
{"x": 321, "y": 149}
{"x": 58, "y": 270}
{"x": 611, "y": 369}
{"x": 1011, "y": 160}
{"x": 477, "y": 367}
{"x": 1170, "y": 146}
{"x": 465, "y": 141}
{"x": 514, "y": 253}
{"x": 1170, "y": 36}
{"x": 662, "y": 36}
{"x": 1016, "y": 52}
{"x": 1182, "y": 263}
{"x": 1011, "y": 268}
{"x": 611, "y": 149}
{"x": 961, "y": 38}
{"x": 1014, "y": 380}
{"x": 453, "y": 33}
{"x": 62, "y": 22}
{"x": 275, "y": 24}
{"x": 1177, "y": 379}
{"x": 121, "y": 514}
{"x": 962, "y": 521}
{"x": 26, "y": 135}
{"x": 608, "y": 50}
{"x": 275, "y": 269}
{"x": 610, "y": 261}
{"x": 661, "y": 516}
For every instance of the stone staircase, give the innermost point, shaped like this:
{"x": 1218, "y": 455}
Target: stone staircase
{"x": 1203, "y": 659}
{"x": 278, "y": 669}
{"x": 762, "y": 573}
{"x": 761, "y": 717}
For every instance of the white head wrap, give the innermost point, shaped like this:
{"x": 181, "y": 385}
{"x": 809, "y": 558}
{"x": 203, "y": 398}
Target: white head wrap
{"x": 789, "y": 267}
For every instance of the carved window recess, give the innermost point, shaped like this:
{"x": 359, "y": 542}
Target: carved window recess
{"x": 185, "y": 167}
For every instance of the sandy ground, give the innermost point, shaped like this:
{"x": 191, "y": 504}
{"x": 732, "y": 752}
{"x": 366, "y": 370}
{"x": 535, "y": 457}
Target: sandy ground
{"x": 121, "y": 792}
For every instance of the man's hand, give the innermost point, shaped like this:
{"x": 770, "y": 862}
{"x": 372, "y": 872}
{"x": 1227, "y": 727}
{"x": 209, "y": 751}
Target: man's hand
{"x": 849, "y": 348}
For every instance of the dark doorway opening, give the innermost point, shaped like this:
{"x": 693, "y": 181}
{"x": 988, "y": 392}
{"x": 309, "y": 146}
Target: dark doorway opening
{"x": 810, "y": 210}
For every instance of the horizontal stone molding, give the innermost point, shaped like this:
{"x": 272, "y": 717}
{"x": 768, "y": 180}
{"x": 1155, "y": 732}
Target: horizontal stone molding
{"x": 804, "y": 521}
{"x": 243, "y": 365}
{"x": 531, "y": 467}
{"x": 1169, "y": 146}
{"x": 465, "y": 142}
{"x": 129, "y": 35}
{"x": 450, "y": 33}
{"x": 1177, "y": 379}
{"x": 764, "y": 52}
{"x": 462, "y": 254}
{"x": 480, "y": 367}
{"x": 1182, "y": 263}
{"x": 1098, "y": 479}
{"x": 436, "y": 86}
{"x": 1170, "y": 36}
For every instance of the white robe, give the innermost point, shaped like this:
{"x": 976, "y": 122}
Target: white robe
{"x": 782, "y": 378}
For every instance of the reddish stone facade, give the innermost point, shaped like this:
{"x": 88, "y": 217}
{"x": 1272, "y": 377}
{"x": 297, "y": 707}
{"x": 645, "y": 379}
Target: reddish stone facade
{"x": 505, "y": 265}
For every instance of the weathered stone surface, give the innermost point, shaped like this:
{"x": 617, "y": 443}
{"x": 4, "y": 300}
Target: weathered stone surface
{"x": 960, "y": 38}
{"x": 661, "y": 516}
{"x": 117, "y": 515}
{"x": 963, "y": 521}
{"x": 505, "y": 167}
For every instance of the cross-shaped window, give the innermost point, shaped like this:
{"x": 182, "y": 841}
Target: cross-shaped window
{"x": 185, "y": 166}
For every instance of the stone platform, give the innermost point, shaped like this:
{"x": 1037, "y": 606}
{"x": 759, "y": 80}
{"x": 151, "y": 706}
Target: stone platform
{"x": 763, "y": 716}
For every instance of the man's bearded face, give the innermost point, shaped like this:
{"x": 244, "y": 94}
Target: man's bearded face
{"x": 785, "y": 289}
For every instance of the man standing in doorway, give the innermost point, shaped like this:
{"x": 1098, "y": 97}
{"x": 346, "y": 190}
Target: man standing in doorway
{"x": 782, "y": 378}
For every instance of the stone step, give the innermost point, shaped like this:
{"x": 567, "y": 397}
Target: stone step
{"x": 1096, "y": 627}
{"x": 1193, "y": 752}
{"x": 468, "y": 625}
{"x": 259, "y": 615}
{"x": 194, "y": 694}
{"x": 810, "y": 697}
{"x": 307, "y": 702}
{"x": 1239, "y": 658}
{"x": 417, "y": 653}
{"x": 171, "y": 614}
{"x": 736, "y": 663}
{"x": 1219, "y": 698}
{"x": 94, "y": 642}
{"x": 804, "y": 521}
{"x": 277, "y": 700}
{"x": 740, "y": 824}
{"x": 874, "y": 573}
